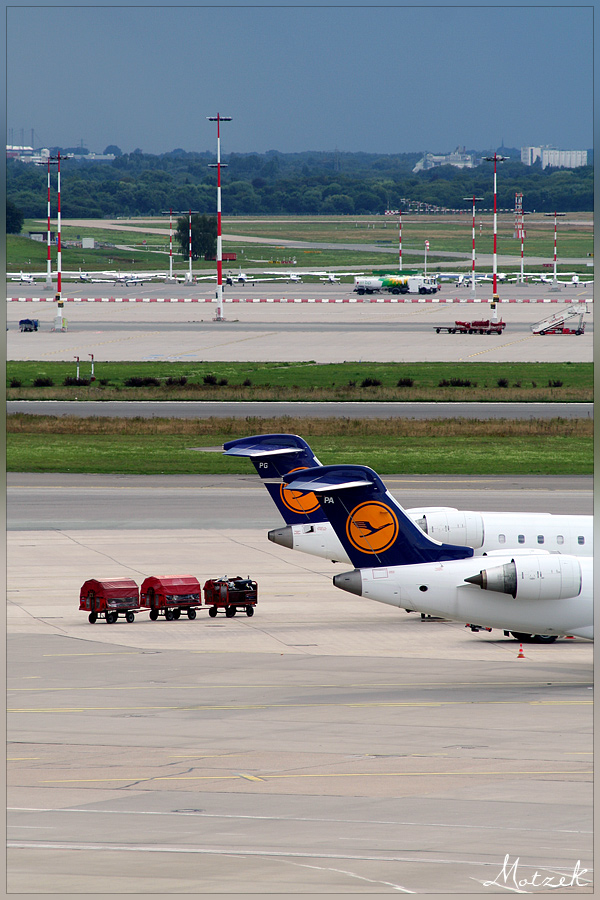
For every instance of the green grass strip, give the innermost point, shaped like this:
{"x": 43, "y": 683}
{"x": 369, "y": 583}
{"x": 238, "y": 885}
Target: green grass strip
{"x": 149, "y": 447}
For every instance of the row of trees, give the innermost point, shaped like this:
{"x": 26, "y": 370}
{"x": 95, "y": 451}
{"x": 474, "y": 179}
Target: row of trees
{"x": 295, "y": 184}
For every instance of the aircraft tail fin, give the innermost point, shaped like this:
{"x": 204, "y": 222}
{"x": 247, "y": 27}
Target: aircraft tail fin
{"x": 273, "y": 456}
{"x": 373, "y": 528}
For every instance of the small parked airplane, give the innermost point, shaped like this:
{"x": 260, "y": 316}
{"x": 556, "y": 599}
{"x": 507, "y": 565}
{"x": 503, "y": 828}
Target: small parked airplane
{"x": 23, "y": 278}
{"x": 396, "y": 563}
{"x": 545, "y": 278}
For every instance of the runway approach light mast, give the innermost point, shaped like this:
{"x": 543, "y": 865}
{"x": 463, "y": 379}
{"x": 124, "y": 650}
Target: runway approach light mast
{"x": 218, "y": 119}
{"x": 555, "y": 214}
{"x": 475, "y": 199}
{"x": 496, "y": 158}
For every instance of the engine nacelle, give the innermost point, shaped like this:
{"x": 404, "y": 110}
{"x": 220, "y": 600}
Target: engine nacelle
{"x": 451, "y": 526}
{"x": 550, "y": 577}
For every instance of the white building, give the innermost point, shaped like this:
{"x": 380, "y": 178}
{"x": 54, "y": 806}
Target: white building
{"x": 459, "y": 158}
{"x": 557, "y": 159}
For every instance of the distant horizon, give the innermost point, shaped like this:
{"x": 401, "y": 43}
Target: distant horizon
{"x": 212, "y": 152}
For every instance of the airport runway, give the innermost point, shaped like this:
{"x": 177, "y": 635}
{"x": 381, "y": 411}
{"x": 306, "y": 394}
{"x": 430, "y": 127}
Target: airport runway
{"x": 292, "y": 331}
{"x": 325, "y": 745}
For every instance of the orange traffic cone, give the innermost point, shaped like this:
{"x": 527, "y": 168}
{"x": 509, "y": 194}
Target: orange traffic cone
{"x": 520, "y": 654}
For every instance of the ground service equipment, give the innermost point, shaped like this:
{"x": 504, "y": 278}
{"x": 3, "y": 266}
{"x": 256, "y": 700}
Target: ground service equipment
{"x": 170, "y": 595}
{"x": 29, "y": 324}
{"x": 396, "y": 284}
{"x": 478, "y": 326}
{"x": 568, "y": 322}
{"x": 110, "y": 599}
{"x": 231, "y": 594}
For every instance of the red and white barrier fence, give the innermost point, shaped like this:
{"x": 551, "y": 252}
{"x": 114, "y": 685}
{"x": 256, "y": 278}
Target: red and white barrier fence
{"x": 298, "y": 300}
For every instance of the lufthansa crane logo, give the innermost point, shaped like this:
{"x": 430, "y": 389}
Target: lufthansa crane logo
{"x": 297, "y": 501}
{"x": 372, "y": 527}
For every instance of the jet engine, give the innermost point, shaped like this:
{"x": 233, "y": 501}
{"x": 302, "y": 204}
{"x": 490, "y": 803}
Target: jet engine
{"x": 451, "y": 526}
{"x": 551, "y": 577}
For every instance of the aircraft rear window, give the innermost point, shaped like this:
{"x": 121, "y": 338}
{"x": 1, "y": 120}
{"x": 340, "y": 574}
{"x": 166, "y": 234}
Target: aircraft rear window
{"x": 521, "y": 538}
{"x": 501, "y": 538}
{"x": 560, "y": 539}
{"x": 581, "y": 539}
{"x": 540, "y": 538}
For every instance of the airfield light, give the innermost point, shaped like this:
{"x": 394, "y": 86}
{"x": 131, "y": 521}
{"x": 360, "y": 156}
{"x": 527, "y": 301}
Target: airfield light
{"x": 496, "y": 158}
{"x": 555, "y": 214}
{"x": 426, "y": 249}
{"x": 399, "y": 240}
{"x": 190, "y": 246}
{"x": 50, "y": 160}
{"x": 170, "y": 245}
{"x": 218, "y": 119}
{"x": 473, "y": 266}
{"x": 49, "y": 261}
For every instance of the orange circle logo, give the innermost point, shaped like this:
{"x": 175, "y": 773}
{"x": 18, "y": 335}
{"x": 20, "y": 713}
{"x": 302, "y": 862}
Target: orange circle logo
{"x": 372, "y": 527}
{"x": 297, "y": 501}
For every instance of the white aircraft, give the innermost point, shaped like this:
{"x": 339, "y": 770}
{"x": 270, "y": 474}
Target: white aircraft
{"x": 545, "y": 278}
{"x": 307, "y": 528}
{"x": 23, "y": 278}
{"x": 525, "y": 592}
{"x": 286, "y": 276}
{"x": 500, "y": 276}
{"x": 334, "y": 277}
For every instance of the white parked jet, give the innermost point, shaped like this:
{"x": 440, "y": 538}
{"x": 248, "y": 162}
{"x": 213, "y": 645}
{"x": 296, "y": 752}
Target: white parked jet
{"x": 523, "y": 592}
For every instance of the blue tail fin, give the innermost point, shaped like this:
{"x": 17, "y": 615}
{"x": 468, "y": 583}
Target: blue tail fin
{"x": 273, "y": 456}
{"x": 372, "y": 526}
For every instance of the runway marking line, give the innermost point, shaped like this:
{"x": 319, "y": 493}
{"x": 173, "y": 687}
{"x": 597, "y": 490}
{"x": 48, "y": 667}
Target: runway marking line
{"x": 265, "y": 706}
{"x": 467, "y": 773}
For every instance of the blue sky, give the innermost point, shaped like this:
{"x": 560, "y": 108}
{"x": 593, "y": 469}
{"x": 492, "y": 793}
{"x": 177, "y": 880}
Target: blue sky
{"x": 377, "y": 79}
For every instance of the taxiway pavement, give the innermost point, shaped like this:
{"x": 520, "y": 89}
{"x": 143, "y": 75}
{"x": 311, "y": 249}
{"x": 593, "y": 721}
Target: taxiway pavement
{"x": 326, "y": 745}
{"x": 291, "y": 331}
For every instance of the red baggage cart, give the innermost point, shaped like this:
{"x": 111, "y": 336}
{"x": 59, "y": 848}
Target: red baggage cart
{"x": 231, "y": 594}
{"x": 170, "y": 595}
{"x": 109, "y": 599}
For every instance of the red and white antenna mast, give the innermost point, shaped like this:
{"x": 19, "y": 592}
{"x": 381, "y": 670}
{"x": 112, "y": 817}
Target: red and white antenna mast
{"x": 189, "y": 276}
{"x": 555, "y": 214}
{"x": 170, "y": 245}
{"x": 399, "y": 240}
{"x": 58, "y": 251}
{"x": 218, "y": 119}
{"x": 473, "y": 259}
{"x": 496, "y": 158}
{"x": 49, "y": 260}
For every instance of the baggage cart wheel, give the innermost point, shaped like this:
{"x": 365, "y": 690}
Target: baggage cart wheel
{"x": 129, "y": 616}
{"x": 212, "y": 612}
{"x": 111, "y": 618}
{"x": 176, "y": 613}
{"x": 191, "y": 613}
{"x": 230, "y": 612}
{"x": 169, "y": 615}
{"x": 249, "y": 610}
{"x": 154, "y": 614}
{"x": 92, "y": 617}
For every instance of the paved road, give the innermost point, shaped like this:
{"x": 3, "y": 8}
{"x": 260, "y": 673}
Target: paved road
{"x": 325, "y": 745}
{"x": 206, "y": 409}
{"x": 40, "y": 502}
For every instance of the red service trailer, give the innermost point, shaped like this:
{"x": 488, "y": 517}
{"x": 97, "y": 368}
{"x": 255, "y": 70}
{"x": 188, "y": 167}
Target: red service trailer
{"x": 109, "y": 599}
{"x": 170, "y": 595}
{"x": 231, "y": 594}
{"x": 477, "y": 326}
